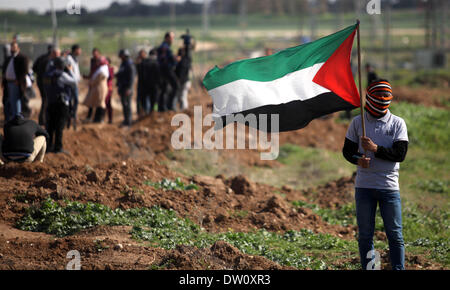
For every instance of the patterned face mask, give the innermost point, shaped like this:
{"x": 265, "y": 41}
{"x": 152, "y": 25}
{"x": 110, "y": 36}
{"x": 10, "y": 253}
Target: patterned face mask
{"x": 378, "y": 98}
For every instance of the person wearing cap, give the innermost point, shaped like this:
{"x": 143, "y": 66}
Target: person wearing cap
{"x": 58, "y": 88}
{"x": 125, "y": 80}
{"x": 378, "y": 156}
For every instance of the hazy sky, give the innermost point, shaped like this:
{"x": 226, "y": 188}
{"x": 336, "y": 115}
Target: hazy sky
{"x": 43, "y": 5}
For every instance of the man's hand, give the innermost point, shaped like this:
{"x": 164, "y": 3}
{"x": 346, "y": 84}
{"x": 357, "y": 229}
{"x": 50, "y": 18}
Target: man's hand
{"x": 367, "y": 144}
{"x": 364, "y": 161}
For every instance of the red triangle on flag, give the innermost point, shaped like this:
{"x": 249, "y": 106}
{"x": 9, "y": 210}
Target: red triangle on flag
{"x": 336, "y": 74}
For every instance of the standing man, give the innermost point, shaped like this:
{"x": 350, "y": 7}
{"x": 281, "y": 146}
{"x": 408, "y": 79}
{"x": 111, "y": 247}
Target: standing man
{"x": 385, "y": 146}
{"x": 125, "y": 81}
{"x": 182, "y": 71}
{"x": 141, "y": 63}
{"x": 59, "y": 91}
{"x": 72, "y": 59}
{"x": 167, "y": 65}
{"x": 153, "y": 77}
{"x": 39, "y": 67}
{"x": 14, "y": 73}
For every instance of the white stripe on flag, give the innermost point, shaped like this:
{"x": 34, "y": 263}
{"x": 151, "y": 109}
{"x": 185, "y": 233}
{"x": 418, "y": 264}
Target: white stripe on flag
{"x": 244, "y": 94}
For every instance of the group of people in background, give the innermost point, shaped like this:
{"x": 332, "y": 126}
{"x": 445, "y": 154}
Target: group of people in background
{"x": 162, "y": 84}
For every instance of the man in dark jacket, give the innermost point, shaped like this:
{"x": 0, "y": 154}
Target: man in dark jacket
{"x": 182, "y": 71}
{"x": 167, "y": 65}
{"x": 24, "y": 140}
{"x": 14, "y": 72}
{"x": 153, "y": 80}
{"x": 58, "y": 88}
{"x": 125, "y": 80}
{"x": 141, "y": 63}
{"x": 39, "y": 67}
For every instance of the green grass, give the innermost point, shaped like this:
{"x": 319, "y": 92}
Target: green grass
{"x": 430, "y": 78}
{"x": 424, "y": 232}
{"x": 422, "y": 229}
{"x": 163, "y": 228}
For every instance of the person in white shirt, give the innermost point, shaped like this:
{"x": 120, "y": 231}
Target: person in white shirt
{"x": 14, "y": 72}
{"x": 72, "y": 58}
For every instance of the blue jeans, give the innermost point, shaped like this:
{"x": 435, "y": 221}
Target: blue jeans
{"x": 391, "y": 212}
{"x": 13, "y": 105}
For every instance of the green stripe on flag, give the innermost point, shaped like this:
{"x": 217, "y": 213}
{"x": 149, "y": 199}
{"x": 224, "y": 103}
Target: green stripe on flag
{"x": 272, "y": 67}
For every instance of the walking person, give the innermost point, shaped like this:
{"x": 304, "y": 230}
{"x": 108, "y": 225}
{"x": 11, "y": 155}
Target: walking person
{"x": 98, "y": 90}
{"x": 167, "y": 65}
{"x": 39, "y": 67}
{"x": 14, "y": 72}
{"x": 24, "y": 140}
{"x": 59, "y": 92}
{"x": 385, "y": 146}
{"x": 125, "y": 80}
{"x": 72, "y": 59}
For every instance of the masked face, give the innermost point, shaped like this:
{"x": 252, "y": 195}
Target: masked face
{"x": 378, "y": 98}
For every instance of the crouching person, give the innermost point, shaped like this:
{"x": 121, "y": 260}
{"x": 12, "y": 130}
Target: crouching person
{"x": 24, "y": 140}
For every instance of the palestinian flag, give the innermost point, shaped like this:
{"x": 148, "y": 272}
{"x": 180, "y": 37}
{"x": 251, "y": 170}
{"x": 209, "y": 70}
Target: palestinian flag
{"x": 299, "y": 83}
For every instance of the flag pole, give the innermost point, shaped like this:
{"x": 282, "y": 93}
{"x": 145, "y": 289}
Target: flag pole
{"x": 361, "y": 99}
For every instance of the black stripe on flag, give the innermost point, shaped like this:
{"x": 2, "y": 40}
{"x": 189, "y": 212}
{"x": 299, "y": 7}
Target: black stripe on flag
{"x": 296, "y": 114}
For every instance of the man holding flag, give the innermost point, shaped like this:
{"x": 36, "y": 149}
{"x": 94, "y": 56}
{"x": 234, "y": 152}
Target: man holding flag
{"x": 385, "y": 144}
{"x": 305, "y": 82}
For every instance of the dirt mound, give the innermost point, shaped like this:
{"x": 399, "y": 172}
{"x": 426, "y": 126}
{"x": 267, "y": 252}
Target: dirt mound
{"x": 334, "y": 194}
{"x": 241, "y": 185}
{"x": 219, "y": 204}
{"x": 220, "y": 256}
{"x": 110, "y": 248}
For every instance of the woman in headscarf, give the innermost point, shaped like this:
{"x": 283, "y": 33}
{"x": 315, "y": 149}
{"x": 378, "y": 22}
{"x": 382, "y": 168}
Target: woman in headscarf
{"x": 98, "y": 89}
